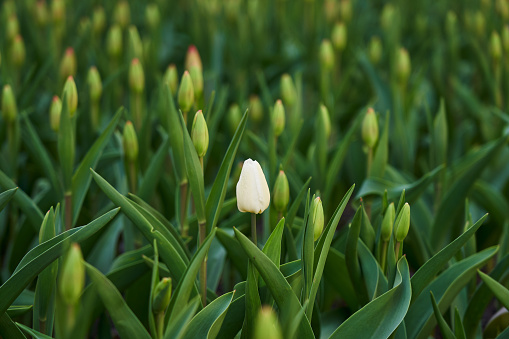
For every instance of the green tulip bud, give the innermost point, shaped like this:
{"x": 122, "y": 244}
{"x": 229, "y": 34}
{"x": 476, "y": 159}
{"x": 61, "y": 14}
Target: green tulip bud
{"x": 12, "y": 29}
{"x": 18, "y": 52}
{"x": 122, "y": 14}
{"x": 480, "y": 23}
{"x": 0, "y": 59}
{"x": 135, "y": 44}
{"x": 281, "y": 192}
{"x": 171, "y": 78}
{"x": 451, "y": 22}
{"x": 136, "y": 77}
{"x": 197, "y": 79}
{"x": 325, "y": 117}
{"x": 9, "y": 8}
{"x": 495, "y": 46}
{"x": 114, "y": 42}
{"x": 9, "y": 108}
{"x": 403, "y": 67}
{"x": 193, "y": 58}
{"x": 186, "y": 93}
{"x": 370, "y": 128}
{"x": 130, "y": 142}
{"x": 98, "y": 20}
{"x": 288, "y": 91}
{"x": 234, "y": 116}
{"x": 255, "y": 108}
{"x": 278, "y": 118}
{"x": 152, "y": 16}
{"x": 71, "y": 93}
{"x": 387, "y": 17}
{"x": 339, "y": 36}
{"x": 375, "y": 50}
{"x": 316, "y": 217}
{"x": 54, "y": 113}
{"x": 505, "y": 39}
{"x": 162, "y": 295}
{"x": 267, "y": 325}
{"x": 402, "y": 223}
{"x": 72, "y": 276}
{"x": 200, "y": 134}
{"x": 47, "y": 230}
{"x": 345, "y": 9}
{"x": 68, "y": 64}
{"x": 502, "y": 7}
{"x": 387, "y": 223}
{"x": 58, "y": 11}
{"x": 326, "y": 55}
{"x": 94, "y": 84}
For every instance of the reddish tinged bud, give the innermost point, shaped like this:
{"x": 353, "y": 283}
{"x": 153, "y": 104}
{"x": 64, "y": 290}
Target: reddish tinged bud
{"x": 68, "y": 64}
{"x": 193, "y": 58}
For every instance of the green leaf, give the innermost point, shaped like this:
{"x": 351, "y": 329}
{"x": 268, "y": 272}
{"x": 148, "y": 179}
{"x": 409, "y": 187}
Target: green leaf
{"x": 382, "y": 316}
{"x": 154, "y": 171}
{"x": 35, "y": 334}
{"x": 153, "y": 283}
{"x": 500, "y": 292}
{"x": 8, "y": 329}
{"x": 459, "y": 330}
{"x": 381, "y": 156}
{"x": 272, "y": 248}
{"x": 126, "y": 323}
{"x": 207, "y": 323}
{"x": 18, "y": 310}
{"x": 336, "y": 273}
{"x": 176, "y": 328}
{"x": 442, "y": 324}
{"x": 82, "y": 178}
{"x": 6, "y": 196}
{"x": 234, "y": 250}
{"x": 252, "y": 301}
{"x": 218, "y": 191}
{"x": 374, "y": 279}
{"x": 351, "y": 256}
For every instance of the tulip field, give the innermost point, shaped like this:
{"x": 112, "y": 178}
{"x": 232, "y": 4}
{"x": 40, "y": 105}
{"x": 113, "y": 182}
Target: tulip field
{"x": 260, "y": 169}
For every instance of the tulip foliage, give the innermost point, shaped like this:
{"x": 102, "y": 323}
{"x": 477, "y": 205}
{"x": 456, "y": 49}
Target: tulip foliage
{"x": 254, "y": 169}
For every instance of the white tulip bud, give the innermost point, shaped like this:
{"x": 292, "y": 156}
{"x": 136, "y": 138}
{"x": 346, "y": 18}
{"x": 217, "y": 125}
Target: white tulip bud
{"x": 253, "y": 193}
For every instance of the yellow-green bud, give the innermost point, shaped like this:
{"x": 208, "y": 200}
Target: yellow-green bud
{"x": 403, "y": 66}
{"x": 495, "y": 46}
{"x": 480, "y": 23}
{"x": 47, "y": 230}
{"x": 255, "y": 108}
{"x": 278, "y": 118}
{"x": 186, "y": 93}
{"x": 130, "y": 142}
{"x": 450, "y": 23}
{"x": 339, "y": 36}
{"x": 267, "y": 325}
{"x": 122, "y": 14}
{"x": 326, "y": 55}
{"x": 135, "y": 44}
{"x": 200, "y": 134}
{"x": 71, "y": 93}
{"x": 316, "y": 217}
{"x": 162, "y": 295}
{"x": 288, "y": 91}
{"x": 171, "y": 78}
{"x": 197, "y": 79}
{"x": 325, "y": 117}
{"x": 98, "y": 20}
{"x": 72, "y": 276}
{"x": 58, "y": 11}
{"x": 94, "y": 84}
{"x": 114, "y": 41}
{"x": 68, "y": 64}
{"x": 54, "y": 113}
{"x": 388, "y": 15}
{"x": 345, "y": 10}
{"x": 136, "y": 76}
{"x": 402, "y": 223}
{"x": 234, "y": 117}
{"x": 370, "y": 128}
{"x": 505, "y": 39}
{"x": 387, "y": 222}
{"x": 9, "y": 8}
{"x": 12, "y": 29}
{"x": 502, "y": 7}
{"x": 18, "y": 52}
{"x": 152, "y": 16}
{"x": 375, "y": 50}
{"x": 9, "y": 108}
{"x": 193, "y": 58}
{"x": 281, "y": 192}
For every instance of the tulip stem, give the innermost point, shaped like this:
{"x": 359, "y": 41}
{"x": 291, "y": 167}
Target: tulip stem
{"x": 160, "y": 324}
{"x": 398, "y": 245}
{"x": 68, "y": 210}
{"x": 183, "y": 207}
{"x": 253, "y": 228}
{"x": 369, "y": 162}
{"x": 202, "y": 230}
{"x": 384, "y": 256}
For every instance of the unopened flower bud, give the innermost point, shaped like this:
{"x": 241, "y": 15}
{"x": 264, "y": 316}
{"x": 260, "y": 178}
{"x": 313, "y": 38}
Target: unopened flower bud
{"x": 72, "y": 276}
{"x": 193, "y": 58}
{"x": 403, "y": 67}
{"x": 12, "y": 29}
{"x": 345, "y": 10}
{"x": 370, "y": 128}
{"x": 278, "y": 118}
{"x": 495, "y": 46}
{"x": 152, "y": 16}
{"x": 505, "y": 39}
{"x": 136, "y": 76}
{"x": 267, "y": 325}
{"x": 316, "y": 217}
{"x": 480, "y": 23}
{"x": 171, "y": 78}
{"x": 122, "y": 14}
{"x": 375, "y": 50}
{"x": 135, "y": 44}
{"x": 94, "y": 84}
{"x": 18, "y": 52}
{"x": 502, "y": 7}
{"x": 255, "y": 108}
{"x": 197, "y": 79}
{"x": 387, "y": 17}
{"x": 325, "y": 119}
{"x": 200, "y": 134}
{"x": 9, "y": 107}
{"x": 451, "y": 21}
{"x": 58, "y": 11}
{"x": 233, "y": 118}
{"x": 162, "y": 296}
{"x": 402, "y": 223}
{"x": 68, "y": 64}
{"x": 387, "y": 223}
{"x": 288, "y": 91}
{"x": 186, "y": 93}
{"x": 54, "y": 113}
{"x": 9, "y": 8}
{"x": 114, "y": 41}
{"x": 253, "y": 193}
{"x": 98, "y": 20}
{"x": 281, "y": 192}
{"x": 339, "y": 36}
{"x": 130, "y": 142}
{"x": 71, "y": 93}
{"x": 326, "y": 55}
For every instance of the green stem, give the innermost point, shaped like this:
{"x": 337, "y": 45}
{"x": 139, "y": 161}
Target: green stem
{"x": 183, "y": 207}
{"x": 369, "y": 162}
{"x": 202, "y": 230}
{"x": 384, "y": 256}
{"x": 68, "y": 210}
{"x": 132, "y": 177}
{"x": 253, "y": 229}
{"x": 94, "y": 115}
{"x": 396, "y": 250}
{"x": 160, "y": 325}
